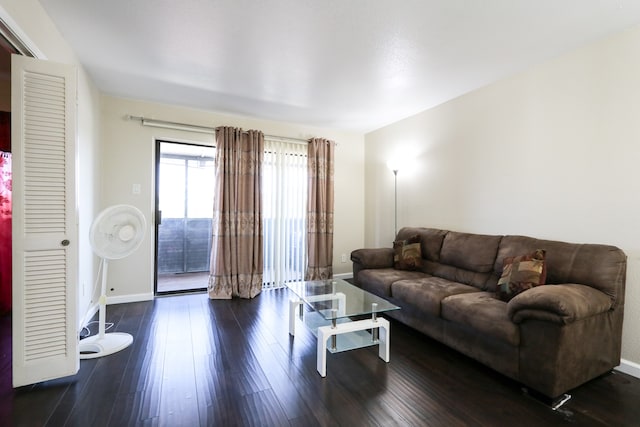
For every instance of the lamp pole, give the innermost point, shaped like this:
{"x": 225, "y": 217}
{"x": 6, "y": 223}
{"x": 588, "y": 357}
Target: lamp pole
{"x": 395, "y": 203}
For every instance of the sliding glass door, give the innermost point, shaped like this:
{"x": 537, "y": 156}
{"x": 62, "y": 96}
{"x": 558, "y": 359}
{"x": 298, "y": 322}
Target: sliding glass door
{"x": 184, "y": 203}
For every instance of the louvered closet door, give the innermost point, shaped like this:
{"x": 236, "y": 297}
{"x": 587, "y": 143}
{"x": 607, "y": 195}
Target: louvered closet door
{"x": 45, "y": 343}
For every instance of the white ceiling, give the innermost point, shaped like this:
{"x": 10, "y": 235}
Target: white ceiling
{"x": 348, "y": 64}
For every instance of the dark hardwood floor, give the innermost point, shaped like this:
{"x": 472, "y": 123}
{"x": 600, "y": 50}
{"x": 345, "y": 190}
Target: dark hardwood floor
{"x": 197, "y": 362}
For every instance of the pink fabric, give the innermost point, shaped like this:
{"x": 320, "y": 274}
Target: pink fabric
{"x": 5, "y": 131}
{"x": 5, "y": 232}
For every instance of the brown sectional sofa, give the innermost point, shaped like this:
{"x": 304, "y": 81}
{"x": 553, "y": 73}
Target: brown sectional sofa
{"x": 550, "y": 338}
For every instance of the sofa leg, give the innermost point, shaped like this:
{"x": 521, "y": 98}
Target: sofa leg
{"x": 559, "y": 401}
{"x": 554, "y": 404}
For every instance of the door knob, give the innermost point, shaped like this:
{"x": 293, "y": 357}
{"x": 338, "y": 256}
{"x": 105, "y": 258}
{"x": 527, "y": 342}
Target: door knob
{"x": 65, "y": 242}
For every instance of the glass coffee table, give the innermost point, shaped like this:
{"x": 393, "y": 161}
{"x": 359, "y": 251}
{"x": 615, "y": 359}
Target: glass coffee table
{"x": 334, "y": 309}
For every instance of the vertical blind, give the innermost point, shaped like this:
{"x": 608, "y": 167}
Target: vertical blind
{"x": 284, "y": 201}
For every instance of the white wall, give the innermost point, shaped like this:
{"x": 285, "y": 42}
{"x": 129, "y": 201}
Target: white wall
{"x": 29, "y": 20}
{"x": 128, "y": 158}
{"x": 552, "y": 153}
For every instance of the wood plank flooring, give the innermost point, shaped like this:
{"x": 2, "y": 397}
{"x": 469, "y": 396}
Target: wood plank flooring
{"x": 198, "y": 362}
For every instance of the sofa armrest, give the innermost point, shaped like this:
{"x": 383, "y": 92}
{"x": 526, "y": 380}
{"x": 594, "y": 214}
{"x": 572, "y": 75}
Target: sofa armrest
{"x": 561, "y": 304}
{"x": 373, "y": 257}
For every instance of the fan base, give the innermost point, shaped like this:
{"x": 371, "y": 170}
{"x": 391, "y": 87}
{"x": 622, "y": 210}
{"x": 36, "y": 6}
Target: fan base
{"x": 96, "y": 346}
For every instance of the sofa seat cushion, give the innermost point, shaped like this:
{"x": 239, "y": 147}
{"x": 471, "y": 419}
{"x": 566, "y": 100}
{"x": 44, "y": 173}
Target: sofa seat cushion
{"x": 426, "y": 294}
{"x": 378, "y": 280}
{"x": 482, "y": 312}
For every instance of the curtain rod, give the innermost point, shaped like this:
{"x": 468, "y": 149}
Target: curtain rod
{"x": 200, "y": 129}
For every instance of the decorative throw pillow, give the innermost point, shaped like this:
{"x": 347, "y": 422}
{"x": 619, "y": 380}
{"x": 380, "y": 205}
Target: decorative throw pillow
{"x": 521, "y": 273}
{"x": 407, "y": 254}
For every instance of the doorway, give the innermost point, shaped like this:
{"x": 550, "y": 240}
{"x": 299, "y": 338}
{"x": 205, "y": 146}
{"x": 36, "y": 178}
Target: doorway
{"x": 10, "y": 44}
{"x": 184, "y": 205}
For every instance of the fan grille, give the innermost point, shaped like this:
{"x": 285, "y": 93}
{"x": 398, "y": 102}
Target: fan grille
{"x": 117, "y": 231}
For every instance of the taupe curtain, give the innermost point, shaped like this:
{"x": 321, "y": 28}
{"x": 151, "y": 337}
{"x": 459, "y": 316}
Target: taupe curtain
{"x": 320, "y": 209}
{"x": 236, "y": 248}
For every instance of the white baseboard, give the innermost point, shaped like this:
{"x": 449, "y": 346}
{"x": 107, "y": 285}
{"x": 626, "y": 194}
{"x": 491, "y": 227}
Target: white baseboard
{"x": 629, "y": 367}
{"x": 129, "y": 298}
{"x": 343, "y": 276}
{"x": 95, "y": 307}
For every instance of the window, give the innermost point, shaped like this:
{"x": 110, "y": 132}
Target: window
{"x": 284, "y": 204}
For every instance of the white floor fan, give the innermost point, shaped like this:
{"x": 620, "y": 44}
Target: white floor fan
{"x": 115, "y": 233}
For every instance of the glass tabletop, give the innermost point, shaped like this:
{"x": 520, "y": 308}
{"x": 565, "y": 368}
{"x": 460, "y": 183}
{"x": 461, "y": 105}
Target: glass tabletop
{"x": 336, "y": 298}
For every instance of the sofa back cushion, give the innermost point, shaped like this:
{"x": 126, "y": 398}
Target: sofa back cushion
{"x": 600, "y": 266}
{"x": 466, "y": 258}
{"x": 473, "y": 252}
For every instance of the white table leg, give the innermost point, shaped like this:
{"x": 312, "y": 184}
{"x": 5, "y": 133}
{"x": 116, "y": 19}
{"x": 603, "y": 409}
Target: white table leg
{"x": 383, "y": 339}
{"x": 321, "y": 361}
{"x": 326, "y": 332}
{"x": 294, "y": 305}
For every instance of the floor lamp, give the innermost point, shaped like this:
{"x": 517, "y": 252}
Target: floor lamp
{"x": 395, "y": 202}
